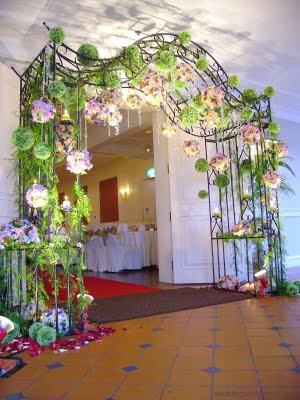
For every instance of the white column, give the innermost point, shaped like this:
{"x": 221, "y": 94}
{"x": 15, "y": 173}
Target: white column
{"x": 9, "y": 106}
{"x": 162, "y": 194}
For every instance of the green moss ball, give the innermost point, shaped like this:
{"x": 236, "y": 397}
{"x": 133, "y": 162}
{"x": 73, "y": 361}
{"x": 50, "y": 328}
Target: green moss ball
{"x": 45, "y": 336}
{"x": 203, "y": 194}
{"x": 273, "y": 127}
{"x": 23, "y": 138}
{"x": 292, "y": 290}
{"x": 184, "y": 37}
{"x": 42, "y": 151}
{"x": 33, "y": 330}
{"x": 166, "y": 61}
{"x": 282, "y": 286}
{"x": 132, "y": 52}
{"x": 188, "y": 116}
{"x": 250, "y": 94}
{"x": 12, "y": 334}
{"x": 222, "y": 181}
{"x": 202, "y": 165}
{"x": 234, "y": 81}
{"x": 246, "y": 113}
{"x": 196, "y": 103}
{"x": 202, "y": 64}
{"x": 246, "y": 166}
{"x": 57, "y": 89}
{"x": 269, "y": 91}
{"x": 112, "y": 80}
{"x": 85, "y": 52}
{"x": 57, "y": 35}
{"x": 297, "y": 283}
{"x": 180, "y": 85}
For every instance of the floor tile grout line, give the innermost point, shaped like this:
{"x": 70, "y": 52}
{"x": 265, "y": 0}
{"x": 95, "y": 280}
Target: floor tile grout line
{"x": 176, "y": 355}
{"x": 252, "y": 355}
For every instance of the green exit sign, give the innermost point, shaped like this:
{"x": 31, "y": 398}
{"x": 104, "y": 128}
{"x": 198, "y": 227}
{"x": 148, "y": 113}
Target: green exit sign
{"x": 150, "y": 173}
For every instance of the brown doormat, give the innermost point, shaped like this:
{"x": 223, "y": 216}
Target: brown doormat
{"x": 121, "y": 308}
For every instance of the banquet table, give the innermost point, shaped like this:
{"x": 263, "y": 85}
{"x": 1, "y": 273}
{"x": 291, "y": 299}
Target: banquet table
{"x": 146, "y": 241}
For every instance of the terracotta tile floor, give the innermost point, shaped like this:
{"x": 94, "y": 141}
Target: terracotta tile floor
{"x": 244, "y": 350}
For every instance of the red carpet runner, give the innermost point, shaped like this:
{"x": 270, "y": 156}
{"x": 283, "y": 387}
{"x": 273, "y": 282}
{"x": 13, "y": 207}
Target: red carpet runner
{"x": 100, "y": 288}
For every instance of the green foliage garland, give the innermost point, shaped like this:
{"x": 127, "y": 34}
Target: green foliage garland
{"x": 23, "y": 138}
{"x": 188, "y": 116}
{"x": 184, "y": 37}
{"x": 202, "y": 165}
{"x": 297, "y": 283}
{"x": 82, "y": 209}
{"x": 85, "y": 52}
{"x": 71, "y": 99}
{"x": 56, "y": 35}
{"x": 282, "y": 286}
{"x": 46, "y": 335}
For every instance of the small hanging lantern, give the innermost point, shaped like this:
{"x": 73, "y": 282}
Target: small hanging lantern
{"x": 64, "y": 131}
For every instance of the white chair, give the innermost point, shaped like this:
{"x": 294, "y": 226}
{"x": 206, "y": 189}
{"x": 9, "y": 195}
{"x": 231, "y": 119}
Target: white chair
{"x": 96, "y": 254}
{"x": 122, "y": 257}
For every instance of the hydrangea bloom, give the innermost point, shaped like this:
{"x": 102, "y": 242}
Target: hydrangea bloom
{"x": 183, "y": 72}
{"x": 251, "y": 134}
{"x": 211, "y": 118}
{"x": 229, "y": 282}
{"x": 104, "y": 109}
{"x": 18, "y": 233}
{"x": 191, "y": 148}
{"x": 212, "y": 96}
{"x": 168, "y": 129}
{"x": 272, "y": 179}
{"x": 219, "y": 162}
{"x": 242, "y": 228}
{"x": 154, "y": 87}
{"x": 49, "y": 319}
{"x": 282, "y": 150}
{"x": 36, "y": 196}
{"x": 134, "y": 101}
{"x": 78, "y": 162}
{"x": 42, "y": 110}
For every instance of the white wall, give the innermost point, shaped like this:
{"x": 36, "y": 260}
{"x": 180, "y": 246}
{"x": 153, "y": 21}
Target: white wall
{"x": 131, "y": 173}
{"x": 290, "y": 206}
{"x": 9, "y": 106}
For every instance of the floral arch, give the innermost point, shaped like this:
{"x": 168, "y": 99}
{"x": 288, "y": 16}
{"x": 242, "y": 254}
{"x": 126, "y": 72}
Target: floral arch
{"x": 240, "y": 156}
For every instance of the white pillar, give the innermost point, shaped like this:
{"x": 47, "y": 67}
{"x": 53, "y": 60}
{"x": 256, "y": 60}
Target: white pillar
{"x": 162, "y": 193}
{"x": 9, "y": 106}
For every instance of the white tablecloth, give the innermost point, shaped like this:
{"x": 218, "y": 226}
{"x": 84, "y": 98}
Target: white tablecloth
{"x": 146, "y": 241}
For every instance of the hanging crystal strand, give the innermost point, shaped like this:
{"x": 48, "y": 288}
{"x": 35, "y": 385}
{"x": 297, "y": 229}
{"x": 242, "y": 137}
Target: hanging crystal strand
{"x": 109, "y": 131}
{"x": 117, "y": 130}
{"x": 158, "y": 122}
{"x": 128, "y": 117}
{"x": 85, "y": 134}
{"x": 140, "y": 116}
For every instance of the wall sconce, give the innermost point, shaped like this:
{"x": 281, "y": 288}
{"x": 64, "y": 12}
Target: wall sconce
{"x": 124, "y": 192}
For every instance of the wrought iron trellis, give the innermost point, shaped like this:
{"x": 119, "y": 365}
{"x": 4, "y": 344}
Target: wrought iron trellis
{"x": 64, "y": 65}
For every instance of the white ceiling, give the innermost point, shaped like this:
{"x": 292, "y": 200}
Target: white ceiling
{"x": 259, "y": 40}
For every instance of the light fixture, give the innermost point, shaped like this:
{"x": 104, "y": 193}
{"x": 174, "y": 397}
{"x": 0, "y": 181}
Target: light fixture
{"x": 66, "y": 205}
{"x": 148, "y": 150}
{"x": 124, "y": 192}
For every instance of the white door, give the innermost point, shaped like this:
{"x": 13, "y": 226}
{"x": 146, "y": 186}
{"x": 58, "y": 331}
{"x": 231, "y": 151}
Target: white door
{"x": 189, "y": 215}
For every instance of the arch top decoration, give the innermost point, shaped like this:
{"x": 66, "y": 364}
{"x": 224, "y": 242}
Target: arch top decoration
{"x": 63, "y": 90}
